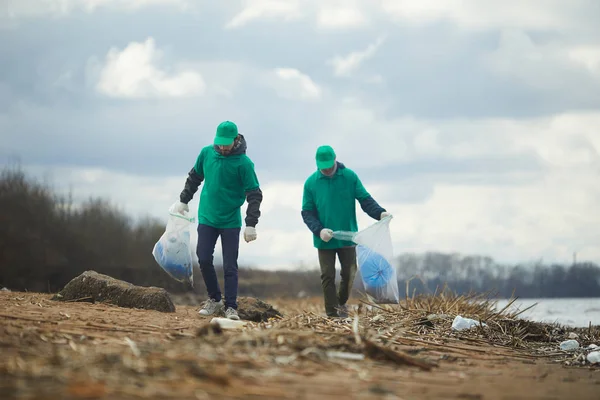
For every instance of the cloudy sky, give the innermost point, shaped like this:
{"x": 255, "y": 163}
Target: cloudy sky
{"x": 475, "y": 122}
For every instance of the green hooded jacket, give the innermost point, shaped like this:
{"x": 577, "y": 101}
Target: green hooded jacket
{"x": 229, "y": 180}
{"x": 330, "y": 202}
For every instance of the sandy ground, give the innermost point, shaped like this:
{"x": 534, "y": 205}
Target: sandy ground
{"x": 52, "y": 350}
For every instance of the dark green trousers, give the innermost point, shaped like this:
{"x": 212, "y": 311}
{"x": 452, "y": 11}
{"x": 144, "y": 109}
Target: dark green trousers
{"x": 347, "y": 258}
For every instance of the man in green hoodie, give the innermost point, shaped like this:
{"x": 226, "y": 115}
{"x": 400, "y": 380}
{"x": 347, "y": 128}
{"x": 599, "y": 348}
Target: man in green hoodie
{"x": 229, "y": 179}
{"x": 329, "y": 204}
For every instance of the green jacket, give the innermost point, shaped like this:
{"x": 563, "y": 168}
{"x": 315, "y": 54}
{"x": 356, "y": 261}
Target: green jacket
{"x": 330, "y": 202}
{"x": 229, "y": 180}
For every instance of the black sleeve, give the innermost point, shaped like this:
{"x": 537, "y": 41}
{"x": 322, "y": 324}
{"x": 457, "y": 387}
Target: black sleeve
{"x": 254, "y": 198}
{"x": 312, "y": 221}
{"x": 191, "y": 186}
{"x": 371, "y": 207}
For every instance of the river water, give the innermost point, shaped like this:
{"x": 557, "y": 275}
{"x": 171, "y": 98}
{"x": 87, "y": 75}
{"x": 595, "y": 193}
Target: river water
{"x": 570, "y": 312}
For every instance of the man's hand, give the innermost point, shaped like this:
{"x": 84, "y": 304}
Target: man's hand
{"x": 384, "y": 214}
{"x": 326, "y": 235}
{"x": 180, "y": 207}
{"x": 249, "y": 234}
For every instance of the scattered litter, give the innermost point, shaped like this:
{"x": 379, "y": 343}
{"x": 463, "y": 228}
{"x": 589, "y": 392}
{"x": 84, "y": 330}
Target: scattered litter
{"x": 226, "y": 323}
{"x": 134, "y": 349}
{"x": 5, "y": 289}
{"x": 345, "y": 355}
{"x": 569, "y": 345}
{"x": 592, "y": 347}
{"x": 573, "y": 335}
{"x": 594, "y": 357}
{"x": 460, "y": 323}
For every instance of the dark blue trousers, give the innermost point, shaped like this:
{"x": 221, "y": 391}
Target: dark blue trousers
{"x": 230, "y": 243}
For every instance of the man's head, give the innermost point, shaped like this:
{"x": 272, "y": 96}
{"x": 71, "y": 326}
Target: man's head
{"x": 227, "y": 132}
{"x": 325, "y": 158}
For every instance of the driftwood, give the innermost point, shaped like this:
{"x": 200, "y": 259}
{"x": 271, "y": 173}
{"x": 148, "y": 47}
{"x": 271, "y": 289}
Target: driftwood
{"x": 94, "y": 287}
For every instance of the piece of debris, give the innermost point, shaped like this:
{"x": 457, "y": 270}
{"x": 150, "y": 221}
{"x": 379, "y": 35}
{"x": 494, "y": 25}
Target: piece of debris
{"x": 105, "y": 289}
{"x": 134, "y": 349}
{"x": 594, "y": 357}
{"x": 255, "y": 310}
{"x": 345, "y": 355}
{"x": 226, "y": 323}
{"x": 573, "y": 335}
{"x": 569, "y": 345}
{"x": 460, "y": 323}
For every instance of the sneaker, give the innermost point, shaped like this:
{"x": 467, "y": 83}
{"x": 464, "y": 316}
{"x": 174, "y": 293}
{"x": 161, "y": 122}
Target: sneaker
{"x": 343, "y": 311}
{"x": 211, "y": 307}
{"x": 232, "y": 314}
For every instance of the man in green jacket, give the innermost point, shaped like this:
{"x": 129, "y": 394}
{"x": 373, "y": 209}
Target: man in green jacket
{"x": 329, "y": 204}
{"x": 229, "y": 180}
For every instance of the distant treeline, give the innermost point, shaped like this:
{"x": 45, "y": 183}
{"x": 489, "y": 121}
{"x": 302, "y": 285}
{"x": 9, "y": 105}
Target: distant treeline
{"x": 45, "y": 241}
{"x": 463, "y": 274}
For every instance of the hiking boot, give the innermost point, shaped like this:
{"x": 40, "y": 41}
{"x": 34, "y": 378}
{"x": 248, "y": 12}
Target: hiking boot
{"x": 211, "y": 307}
{"x": 232, "y": 314}
{"x": 343, "y": 311}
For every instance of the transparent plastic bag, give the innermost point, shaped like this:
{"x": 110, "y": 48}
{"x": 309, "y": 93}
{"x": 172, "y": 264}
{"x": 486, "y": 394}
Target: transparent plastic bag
{"x": 173, "y": 251}
{"x": 375, "y": 258}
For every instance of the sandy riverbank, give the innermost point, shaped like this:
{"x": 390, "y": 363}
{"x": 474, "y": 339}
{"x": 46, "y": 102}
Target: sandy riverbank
{"x": 82, "y": 350}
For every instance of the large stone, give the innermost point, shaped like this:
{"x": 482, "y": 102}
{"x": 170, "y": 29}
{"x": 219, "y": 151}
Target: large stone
{"x": 92, "y": 286}
{"x": 255, "y": 310}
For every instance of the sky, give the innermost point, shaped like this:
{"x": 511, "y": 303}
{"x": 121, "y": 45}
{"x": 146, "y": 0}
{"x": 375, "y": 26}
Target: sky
{"x": 476, "y": 123}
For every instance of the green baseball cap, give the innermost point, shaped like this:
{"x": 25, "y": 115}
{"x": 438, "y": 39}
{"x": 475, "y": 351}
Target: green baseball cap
{"x": 325, "y": 157}
{"x": 227, "y": 131}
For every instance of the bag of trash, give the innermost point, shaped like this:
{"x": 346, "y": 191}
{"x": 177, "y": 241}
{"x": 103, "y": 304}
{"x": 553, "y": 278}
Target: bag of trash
{"x": 173, "y": 251}
{"x": 375, "y": 256}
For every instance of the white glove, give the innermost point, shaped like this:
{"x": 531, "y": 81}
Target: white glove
{"x": 180, "y": 208}
{"x": 384, "y": 214}
{"x": 249, "y": 234}
{"x": 326, "y": 235}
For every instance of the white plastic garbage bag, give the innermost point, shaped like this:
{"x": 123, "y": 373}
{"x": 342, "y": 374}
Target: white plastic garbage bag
{"x": 375, "y": 258}
{"x": 173, "y": 251}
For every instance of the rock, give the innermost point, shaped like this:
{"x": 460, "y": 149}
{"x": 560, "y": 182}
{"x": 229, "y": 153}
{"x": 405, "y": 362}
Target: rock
{"x": 255, "y": 310}
{"x": 102, "y": 288}
{"x": 573, "y": 335}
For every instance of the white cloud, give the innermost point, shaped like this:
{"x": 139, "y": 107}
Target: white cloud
{"x": 134, "y": 72}
{"x": 588, "y": 57}
{"x": 340, "y": 16}
{"x": 344, "y": 66}
{"x": 292, "y": 84}
{"x": 491, "y": 14}
{"x": 568, "y": 139}
{"x": 266, "y": 9}
{"x": 327, "y": 15}
{"x": 14, "y": 9}
{"x": 547, "y": 66}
